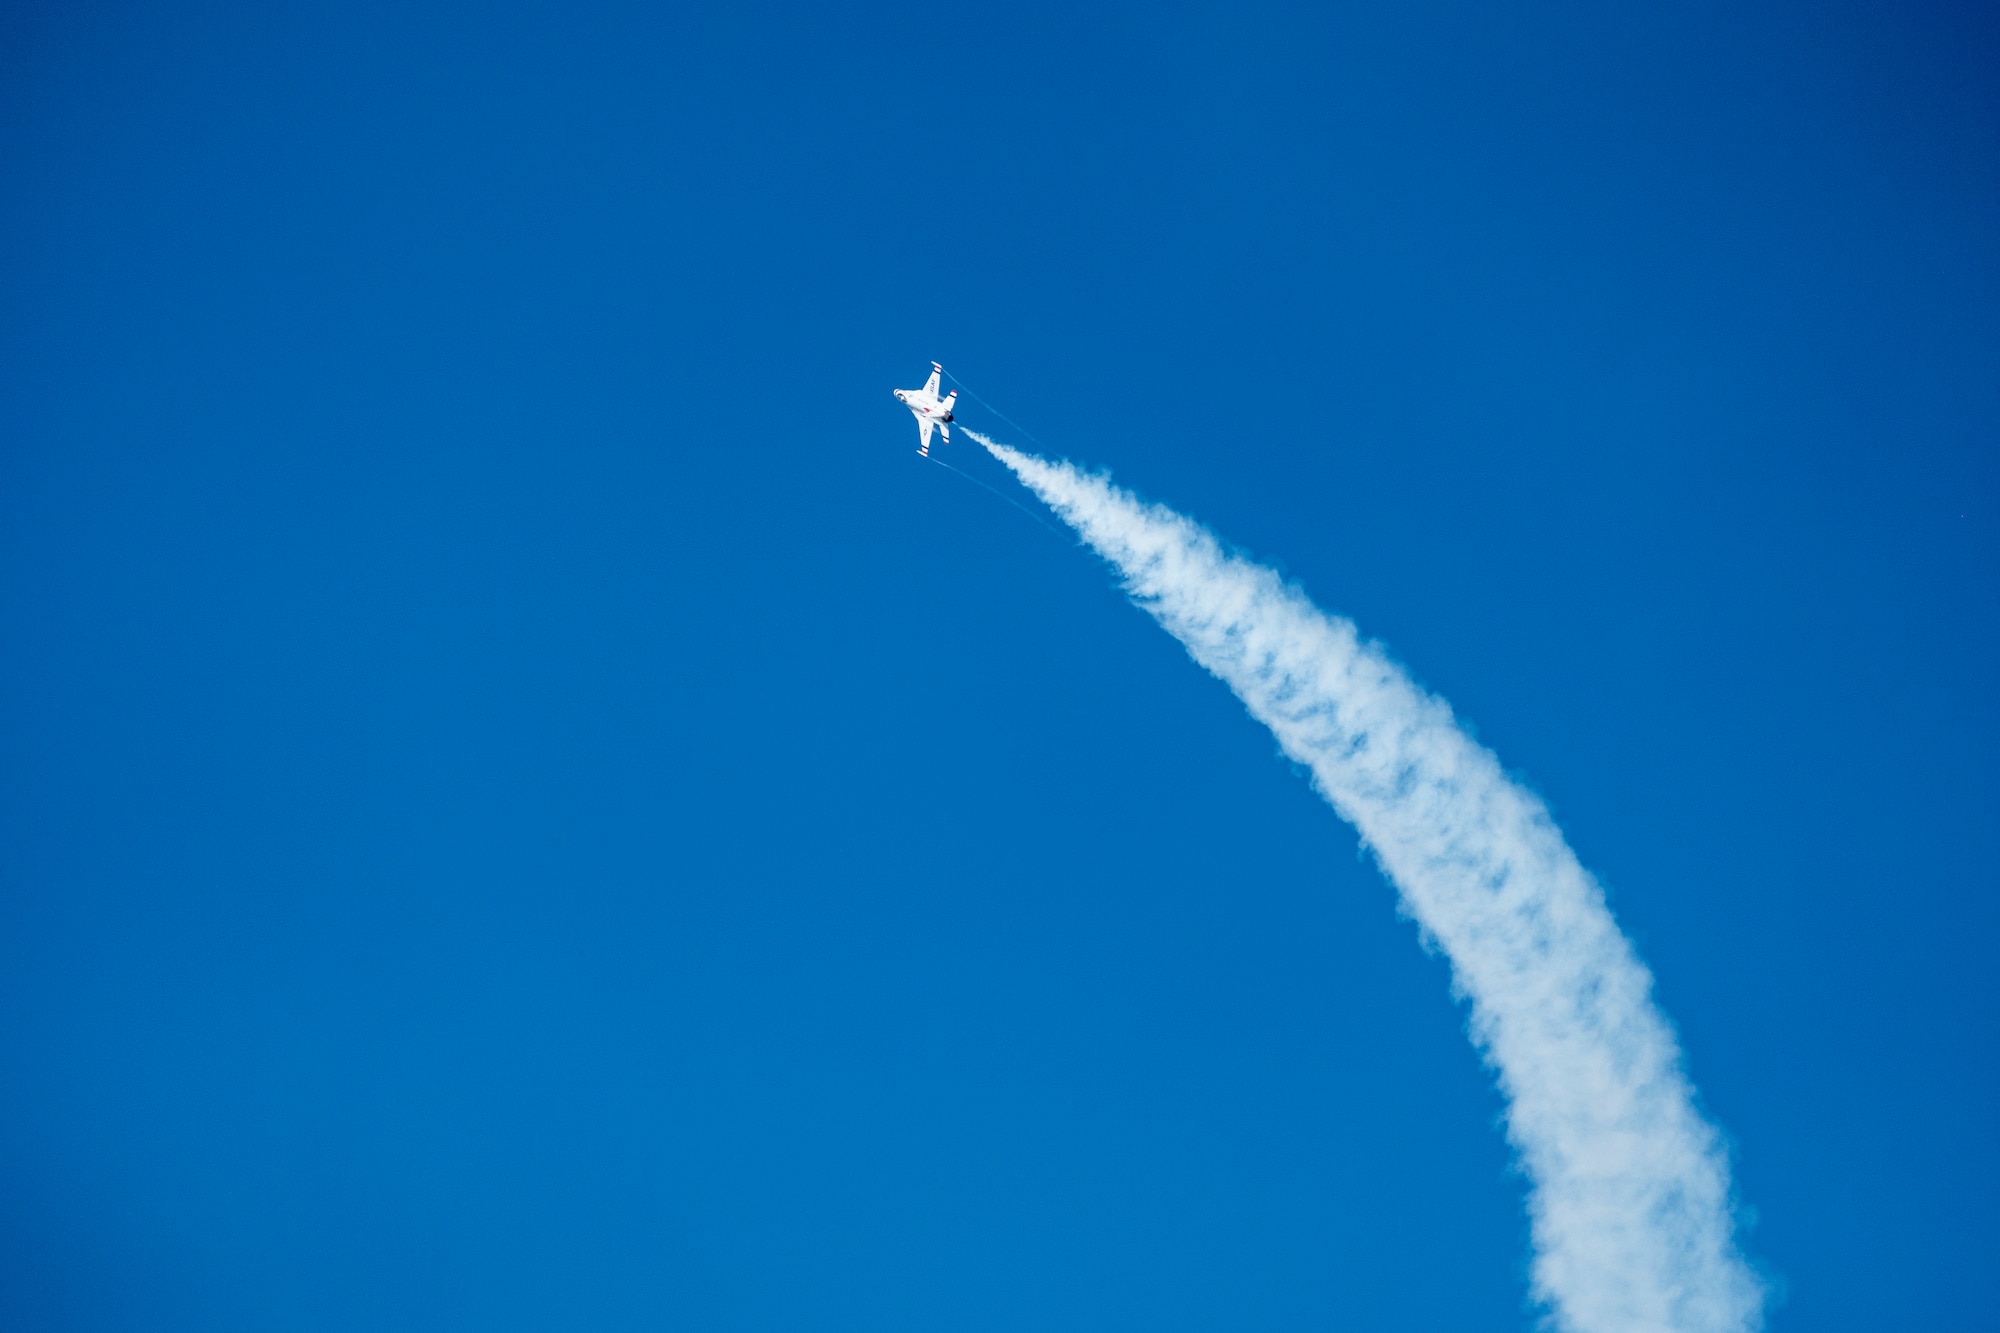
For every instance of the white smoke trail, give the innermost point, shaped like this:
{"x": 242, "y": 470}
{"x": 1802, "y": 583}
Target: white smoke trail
{"x": 1630, "y": 1209}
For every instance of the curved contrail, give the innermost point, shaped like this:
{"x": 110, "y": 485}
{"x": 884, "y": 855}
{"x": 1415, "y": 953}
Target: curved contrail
{"x": 1630, "y": 1211}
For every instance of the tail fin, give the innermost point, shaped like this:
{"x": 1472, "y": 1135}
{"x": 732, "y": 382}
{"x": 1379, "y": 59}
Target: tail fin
{"x": 950, "y": 401}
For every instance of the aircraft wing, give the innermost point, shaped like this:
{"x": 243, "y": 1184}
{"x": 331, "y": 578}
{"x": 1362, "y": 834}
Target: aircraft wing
{"x": 924, "y": 426}
{"x": 931, "y": 384}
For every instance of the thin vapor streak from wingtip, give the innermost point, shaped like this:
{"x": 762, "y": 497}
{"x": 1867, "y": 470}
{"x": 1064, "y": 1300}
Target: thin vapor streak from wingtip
{"x": 1630, "y": 1208}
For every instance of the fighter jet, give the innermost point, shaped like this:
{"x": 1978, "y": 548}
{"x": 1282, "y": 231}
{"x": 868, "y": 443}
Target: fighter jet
{"x": 929, "y": 409}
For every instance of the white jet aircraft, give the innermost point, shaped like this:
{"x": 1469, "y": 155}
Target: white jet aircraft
{"x": 930, "y": 410}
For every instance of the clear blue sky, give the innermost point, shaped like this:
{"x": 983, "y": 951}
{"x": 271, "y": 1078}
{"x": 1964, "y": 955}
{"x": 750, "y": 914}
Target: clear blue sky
{"x": 525, "y": 805}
